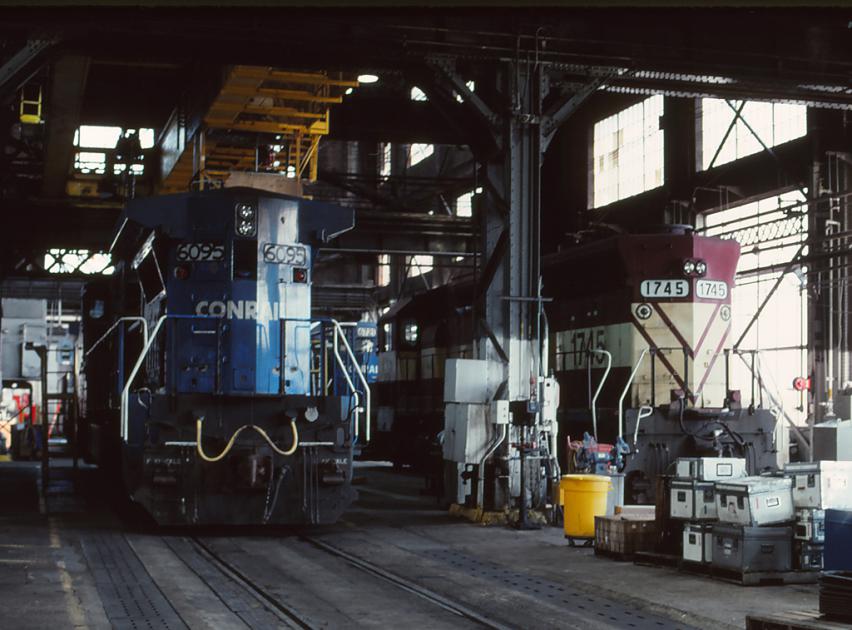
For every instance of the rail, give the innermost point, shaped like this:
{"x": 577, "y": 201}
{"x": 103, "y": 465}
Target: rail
{"x": 339, "y": 336}
{"x": 142, "y": 322}
{"x": 151, "y": 337}
{"x": 798, "y": 435}
{"x": 608, "y": 356}
{"x": 644, "y": 412}
{"x": 626, "y": 389}
{"x": 146, "y": 347}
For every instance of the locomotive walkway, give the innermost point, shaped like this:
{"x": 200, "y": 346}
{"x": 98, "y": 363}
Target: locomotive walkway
{"x": 394, "y": 560}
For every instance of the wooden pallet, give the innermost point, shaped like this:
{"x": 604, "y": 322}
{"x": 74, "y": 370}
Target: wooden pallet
{"x": 614, "y": 555}
{"x": 655, "y": 559}
{"x": 765, "y": 578}
{"x": 695, "y": 568}
{"x": 795, "y": 620}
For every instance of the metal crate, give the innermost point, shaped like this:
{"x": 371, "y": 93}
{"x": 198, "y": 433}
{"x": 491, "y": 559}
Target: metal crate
{"x": 698, "y": 542}
{"x": 821, "y": 485}
{"x": 693, "y": 500}
{"x": 755, "y": 501}
{"x": 710, "y": 468}
{"x": 752, "y": 549}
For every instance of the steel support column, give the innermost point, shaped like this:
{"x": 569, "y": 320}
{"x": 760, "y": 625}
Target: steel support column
{"x": 17, "y": 70}
{"x": 511, "y": 238}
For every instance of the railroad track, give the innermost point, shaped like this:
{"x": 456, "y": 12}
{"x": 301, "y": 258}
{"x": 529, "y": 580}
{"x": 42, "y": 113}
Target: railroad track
{"x": 407, "y": 585}
{"x": 297, "y": 619}
{"x": 285, "y": 614}
{"x": 306, "y": 582}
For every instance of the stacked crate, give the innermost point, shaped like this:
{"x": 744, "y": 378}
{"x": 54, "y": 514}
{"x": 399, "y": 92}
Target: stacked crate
{"x": 753, "y": 534}
{"x": 816, "y": 487}
{"x": 693, "y": 500}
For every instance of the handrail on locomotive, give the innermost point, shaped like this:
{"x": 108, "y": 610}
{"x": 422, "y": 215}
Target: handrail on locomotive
{"x": 150, "y": 337}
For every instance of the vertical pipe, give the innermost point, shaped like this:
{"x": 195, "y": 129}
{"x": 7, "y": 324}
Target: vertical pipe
{"x": 727, "y": 372}
{"x": 753, "y": 377}
{"x": 653, "y": 377}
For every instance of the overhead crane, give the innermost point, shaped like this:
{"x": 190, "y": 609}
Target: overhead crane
{"x": 291, "y": 107}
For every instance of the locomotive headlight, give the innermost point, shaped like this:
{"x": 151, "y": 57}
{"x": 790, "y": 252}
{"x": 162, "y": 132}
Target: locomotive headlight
{"x": 688, "y": 267}
{"x": 245, "y": 220}
{"x": 700, "y": 267}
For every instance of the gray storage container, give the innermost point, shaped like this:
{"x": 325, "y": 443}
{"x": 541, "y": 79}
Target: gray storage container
{"x": 710, "y": 468}
{"x": 755, "y": 501}
{"x": 810, "y": 526}
{"x": 752, "y": 549}
{"x": 821, "y": 485}
{"x": 693, "y": 500}
{"x": 698, "y": 542}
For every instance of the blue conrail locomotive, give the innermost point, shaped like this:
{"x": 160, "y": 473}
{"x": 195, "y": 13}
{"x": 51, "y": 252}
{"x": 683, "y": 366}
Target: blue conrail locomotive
{"x": 199, "y": 385}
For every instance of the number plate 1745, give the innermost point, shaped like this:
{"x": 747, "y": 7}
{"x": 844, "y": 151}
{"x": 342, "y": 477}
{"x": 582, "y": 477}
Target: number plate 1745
{"x": 664, "y": 288}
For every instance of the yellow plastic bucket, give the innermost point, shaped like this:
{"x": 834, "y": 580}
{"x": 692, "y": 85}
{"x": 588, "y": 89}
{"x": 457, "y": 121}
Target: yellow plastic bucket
{"x": 583, "y": 498}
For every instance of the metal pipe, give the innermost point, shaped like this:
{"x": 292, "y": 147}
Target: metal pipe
{"x": 600, "y": 387}
{"x": 358, "y": 371}
{"x": 349, "y": 382}
{"x": 653, "y": 376}
{"x": 626, "y": 388}
{"x": 126, "y": 389}
{"x": 647, "y": 412}
{"x": 144, "y": 353}
{"x": 800, "y": 437}
{"x": 480, "y": 482}
{"x": 115, "y": 324}
{"x": 831, "y": 226}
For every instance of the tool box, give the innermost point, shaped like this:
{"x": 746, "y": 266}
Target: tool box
{"x": 710, "y": 468}
{"x": 821, "y": 485}
{"x": 693, "y": 500}
{"x": 746, "y": 549}
{"x": 755, "y": 501}
{"x": 698, "y": 542}
{"x": 810, "y": 526}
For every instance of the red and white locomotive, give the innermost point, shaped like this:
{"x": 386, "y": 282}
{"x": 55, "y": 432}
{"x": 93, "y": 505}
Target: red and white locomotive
{"x": 640, "y": 330}
{"x": 641, "y": 334}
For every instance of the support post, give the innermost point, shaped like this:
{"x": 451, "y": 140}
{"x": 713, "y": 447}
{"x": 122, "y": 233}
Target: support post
{"x": 41, "y": 351}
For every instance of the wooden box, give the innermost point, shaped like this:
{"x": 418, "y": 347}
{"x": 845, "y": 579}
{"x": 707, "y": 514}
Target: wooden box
{"x": 627, "y": 533}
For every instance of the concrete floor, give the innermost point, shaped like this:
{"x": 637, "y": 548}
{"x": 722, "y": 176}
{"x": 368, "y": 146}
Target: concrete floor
{"x": 47, "y": 577}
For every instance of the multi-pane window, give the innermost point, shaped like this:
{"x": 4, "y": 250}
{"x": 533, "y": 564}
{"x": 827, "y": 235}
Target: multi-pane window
{"x": 77, "y": 261}
{"x": 418, "y": 265}
{"x": 418, "y": 152}
{"x": 385, "y": 160}
{"x": 106, "y": 138}
{"x": 770, "y": 232}
{"x": 417, "y": 94}
{"x": 627, "y": 152}
{"x": 383, "y": 270}
{"x": 464, "y": 205}
{"x": 774, "y": 123}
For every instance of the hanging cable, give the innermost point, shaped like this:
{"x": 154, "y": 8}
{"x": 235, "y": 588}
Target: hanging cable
{"x": 230, "y": 443}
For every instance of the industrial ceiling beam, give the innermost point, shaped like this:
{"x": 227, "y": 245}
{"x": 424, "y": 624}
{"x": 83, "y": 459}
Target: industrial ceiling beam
{"x": 563, "y": 108}
{"x": 22, "y": 65}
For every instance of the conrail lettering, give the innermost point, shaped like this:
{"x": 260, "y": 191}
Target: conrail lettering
{"x": 240, "y": 309}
